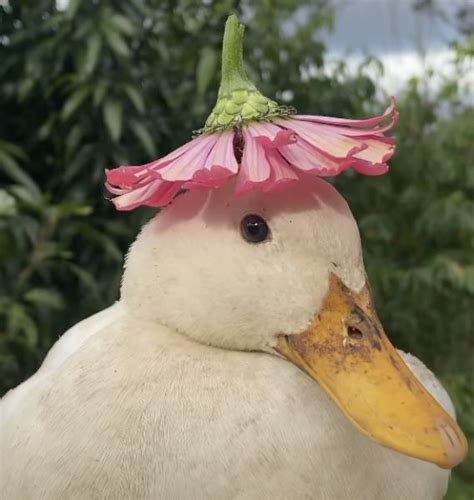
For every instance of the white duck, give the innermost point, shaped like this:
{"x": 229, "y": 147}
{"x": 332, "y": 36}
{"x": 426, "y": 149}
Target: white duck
{"x": 181, "y": 389}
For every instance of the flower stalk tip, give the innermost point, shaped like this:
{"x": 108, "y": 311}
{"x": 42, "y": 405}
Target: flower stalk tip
{"x": 238, "y": 100}
{"x": 233, "y": 72}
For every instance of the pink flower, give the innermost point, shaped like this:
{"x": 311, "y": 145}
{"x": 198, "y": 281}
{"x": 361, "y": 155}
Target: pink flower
{"x": 262, "y": 155}
{"x": 261, "y": 144}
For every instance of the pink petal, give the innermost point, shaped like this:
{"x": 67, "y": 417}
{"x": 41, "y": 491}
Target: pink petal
{"x": 123, "y": 176}
{"x": 281, "y": 171}
{"x": 379, "y": 150}
{"x": 305, "y": 157}
{"x": 131, "y": 175}
{"x": 326, "y": 141}
{"x": 165, "y": 194}
{"x": 184, "y": 167}
{"x": 207, "y": 161}
{"x": 255, "y": 168}
{"x": 368, "y": 122}
{"x": 211, "y": 160}
{"x": 221, "y": 161}
{"x": 156, "y": 194}
{"x": 273, "y": 154}
{"x": 116, "y": 190}
{"x": 367, "y": 168}
{"x": 273, "y": 136}
{"x": 214, "y": 177}
{"x": 359, "y": 133}
{"x": 165, "y": 160}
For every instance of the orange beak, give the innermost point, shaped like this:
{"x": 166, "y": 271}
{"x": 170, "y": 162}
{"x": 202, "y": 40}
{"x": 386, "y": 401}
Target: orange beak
{"x": 347, "y": 352}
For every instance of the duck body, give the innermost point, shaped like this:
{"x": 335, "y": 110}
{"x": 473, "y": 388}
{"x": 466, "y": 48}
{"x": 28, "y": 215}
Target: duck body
{"x": 151, "y": 414}
{"x": 177, "y": 392}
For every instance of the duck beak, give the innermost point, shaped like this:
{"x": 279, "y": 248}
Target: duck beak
{"x": 347, "y": 352}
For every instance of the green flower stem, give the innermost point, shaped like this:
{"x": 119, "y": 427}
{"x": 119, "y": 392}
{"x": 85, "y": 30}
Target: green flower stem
{"x": 238, "y": 100}
{"x": 233, "y": 72}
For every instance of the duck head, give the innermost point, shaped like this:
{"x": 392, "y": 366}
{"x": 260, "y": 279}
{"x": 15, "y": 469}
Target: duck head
{"x": 282, "y": 273}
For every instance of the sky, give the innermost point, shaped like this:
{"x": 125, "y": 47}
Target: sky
{"x": 404, "y": 40}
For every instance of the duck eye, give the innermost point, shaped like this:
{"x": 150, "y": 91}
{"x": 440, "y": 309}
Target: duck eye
{"x": 254, "y": 228}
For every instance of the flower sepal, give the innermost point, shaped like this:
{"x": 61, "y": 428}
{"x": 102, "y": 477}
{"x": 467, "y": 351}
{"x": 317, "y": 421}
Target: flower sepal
{"x": 243, "y": 106}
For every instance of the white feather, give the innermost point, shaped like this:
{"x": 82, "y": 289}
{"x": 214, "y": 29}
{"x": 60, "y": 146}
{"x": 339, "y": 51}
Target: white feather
{"x": 155, "y": 398}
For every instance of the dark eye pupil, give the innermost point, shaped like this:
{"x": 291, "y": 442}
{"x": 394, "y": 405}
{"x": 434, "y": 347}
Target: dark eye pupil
{"x": 254, "y": 228}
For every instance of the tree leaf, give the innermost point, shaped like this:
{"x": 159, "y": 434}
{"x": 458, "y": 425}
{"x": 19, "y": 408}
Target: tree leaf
{"x": 122, "y": 24}
{"x": 7, "y": 204}
{"x": 116, "y": 42}
{"x": 99, "y": 92}
{"x": 135, "y": 96}
{"x": 68, "y": 208}
{"x": 25, "y": 86}
{"x": 13, "y": 150}
{"x": 142, "y": 7}
{"x": 72, "y": 8}
{"x": 91, "y": 58}
{"x": 44, "y": 297}
{"x": 86, "y": 279}
{"x": 21, "y": 193}
{"x": 113, "y": 117}
{"x": 80, "y": 159}
{"x": 206, "y": 69}
{"x": 11, "y": 168}
{"x": 142, "y": 134}
{"x": 19, "y": 321}
{"x": 74, "y": 102}
{"x": 73, "y": 139}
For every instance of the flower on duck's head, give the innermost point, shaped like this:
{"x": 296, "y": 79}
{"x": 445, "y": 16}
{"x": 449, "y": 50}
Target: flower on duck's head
{"x": 260, "y": 143}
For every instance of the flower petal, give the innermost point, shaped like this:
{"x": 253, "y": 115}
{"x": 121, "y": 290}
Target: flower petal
{"x": 273, "y": 154}
{"x": 368, "y": 122}
{"x": 193, "y": 159}
{"x": 281, "y": 171}
{"x": 273, "y": 136}
{"x": 255, "y": 168}
{"x": 208, "y": 162}
{"x": 367, "y": 168}
{"x": 116, "y": 190}
{"x": 214, "y": 177}
{"x": 155, "y": 194}
{"x": 223, "y": 153}
{"x": 324, "y": 139}
{"x": 123, "y": 176}
{"x": 174, "y": 155}
{"x": 379, "y": 150}
{"x": 359, "y": 133}
{"x": 305, "y": 157}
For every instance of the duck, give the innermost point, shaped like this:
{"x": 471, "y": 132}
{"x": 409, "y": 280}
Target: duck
{"x": 243, "y": 360}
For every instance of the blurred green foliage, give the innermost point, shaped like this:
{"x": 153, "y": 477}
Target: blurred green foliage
{"x": 106, "y": 83}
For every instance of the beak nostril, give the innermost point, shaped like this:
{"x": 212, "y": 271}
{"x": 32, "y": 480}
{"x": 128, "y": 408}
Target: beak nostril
{"x": 354, "y": 333}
